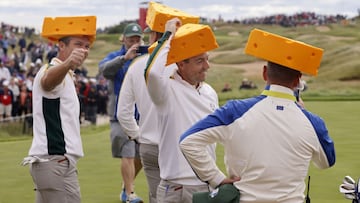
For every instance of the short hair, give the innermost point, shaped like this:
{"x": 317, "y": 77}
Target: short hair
{"x": 187, "y": 60}
{"x": 66, "y": 40}
{"x": 159, "y": 34}
{"x": 281, "y": 73}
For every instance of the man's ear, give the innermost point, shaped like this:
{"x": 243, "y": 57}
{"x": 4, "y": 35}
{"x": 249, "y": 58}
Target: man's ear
{"x": 180, "y": 64}
{"x": 265, "y": 72}
{"x": 61, "y": 44}
{"x": 298, "y": 84}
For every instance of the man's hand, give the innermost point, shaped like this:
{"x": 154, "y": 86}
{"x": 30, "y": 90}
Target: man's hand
{"x": 230, "y": 180}
{"x": 172, "y": 25}
{"x": 131, "y": 52}
{"x": 76, "y": 58}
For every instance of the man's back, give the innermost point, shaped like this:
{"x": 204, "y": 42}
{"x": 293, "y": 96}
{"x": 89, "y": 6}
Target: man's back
{"x": 269, "y": 142}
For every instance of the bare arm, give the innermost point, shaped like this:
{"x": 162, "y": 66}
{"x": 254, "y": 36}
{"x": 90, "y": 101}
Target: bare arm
{"x": 55, "y": 75}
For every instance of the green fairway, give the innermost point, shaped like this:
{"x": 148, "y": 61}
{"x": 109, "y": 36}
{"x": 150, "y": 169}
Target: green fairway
{"x": 100, "y": 178}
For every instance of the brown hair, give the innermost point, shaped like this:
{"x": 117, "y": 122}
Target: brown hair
{"x": 66, "y": 40}
{"x": 281, "y": 74}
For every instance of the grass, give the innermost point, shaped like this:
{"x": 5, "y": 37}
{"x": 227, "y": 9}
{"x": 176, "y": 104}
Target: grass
{"x": 100, "y": 178}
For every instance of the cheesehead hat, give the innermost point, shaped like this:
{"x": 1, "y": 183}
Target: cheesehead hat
{"x": 190, "y": 40}
{"x": 283, "y": 51}
{"x": 158, "y": 14}
{"x": 59, "y": 27}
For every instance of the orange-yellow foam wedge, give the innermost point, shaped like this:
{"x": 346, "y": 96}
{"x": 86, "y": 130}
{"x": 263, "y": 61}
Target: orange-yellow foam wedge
{"x": 58, "y": 27}
{"x": 190, "y": 40}
{"x": 158, "y": 14}
{"x": 284, "y": 51}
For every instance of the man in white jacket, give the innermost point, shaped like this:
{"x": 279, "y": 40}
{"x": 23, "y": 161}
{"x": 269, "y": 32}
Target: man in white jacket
{"x": 180, "y": 100}
{"x": 133, "y": 92}
{"x": 268, "y": 140}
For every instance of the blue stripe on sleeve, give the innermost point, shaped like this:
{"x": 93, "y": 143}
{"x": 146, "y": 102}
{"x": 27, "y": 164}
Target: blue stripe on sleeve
{"x": 225, "y": 115}
{"x": 322, "y": 133}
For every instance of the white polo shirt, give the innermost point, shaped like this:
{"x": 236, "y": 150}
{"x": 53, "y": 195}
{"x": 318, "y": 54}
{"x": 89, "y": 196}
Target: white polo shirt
{"x": 56, "y": 117}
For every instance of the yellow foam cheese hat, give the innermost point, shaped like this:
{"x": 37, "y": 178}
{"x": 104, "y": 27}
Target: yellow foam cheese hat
{"x": 283, "y": 51}
{"x": 190, "y": 40}
{"x": 158, "y": 14}
{"x": 59, "y": 27}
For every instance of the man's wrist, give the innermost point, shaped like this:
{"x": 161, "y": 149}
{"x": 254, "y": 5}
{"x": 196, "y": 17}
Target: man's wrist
{"x": 122, "y": 59}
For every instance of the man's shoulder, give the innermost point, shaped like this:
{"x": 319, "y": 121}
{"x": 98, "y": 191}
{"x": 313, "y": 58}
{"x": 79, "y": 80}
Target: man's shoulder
{"x": 208, "y": 87}
{"x": 138, "y": 64}
{"x": 140, "y": 60}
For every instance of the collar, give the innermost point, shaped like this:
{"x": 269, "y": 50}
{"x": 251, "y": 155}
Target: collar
{"x": 55, "y": 61}
{"x": 279, "y": 92}
{"x": 178, "y": 77}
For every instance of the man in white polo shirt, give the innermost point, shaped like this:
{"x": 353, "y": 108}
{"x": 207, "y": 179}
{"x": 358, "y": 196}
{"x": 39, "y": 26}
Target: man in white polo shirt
{"x": 57, "y": 144}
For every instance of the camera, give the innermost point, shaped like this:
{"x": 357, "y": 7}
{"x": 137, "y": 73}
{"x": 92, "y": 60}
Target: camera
{"x": 142, "y": 49}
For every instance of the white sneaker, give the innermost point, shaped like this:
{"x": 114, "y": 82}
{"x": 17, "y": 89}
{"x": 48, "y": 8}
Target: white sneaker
{"x": 133, "y": 198}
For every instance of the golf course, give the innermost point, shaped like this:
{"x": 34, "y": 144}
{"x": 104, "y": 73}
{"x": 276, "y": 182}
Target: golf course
{"x": 334, "y": 95}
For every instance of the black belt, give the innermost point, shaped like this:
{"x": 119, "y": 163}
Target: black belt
{"x": 61, "y": 160}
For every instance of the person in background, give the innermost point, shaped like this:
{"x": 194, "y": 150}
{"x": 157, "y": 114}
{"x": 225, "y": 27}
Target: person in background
{"x": 269, "y": 140}
{"x": 102, "y": 90}
{"x": 6, "y": 98}
{"x": 180, "y": 101}
{"x": 57, "y": 145}
{"x": 226, "y": 88}
{"x": 114, "y": 67}
{"x": 24, "y": 101}
{"x": 14, "y": 87}
{"x": 92, "y": 97}
{"x": 134, "y": 91}
{"x": 4, "y": 72}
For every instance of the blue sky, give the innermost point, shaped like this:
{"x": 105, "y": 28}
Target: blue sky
{"x": 111, "y": 12}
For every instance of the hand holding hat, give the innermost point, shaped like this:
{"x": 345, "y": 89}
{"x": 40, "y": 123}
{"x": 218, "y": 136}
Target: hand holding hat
{"x": 172, "y": 25}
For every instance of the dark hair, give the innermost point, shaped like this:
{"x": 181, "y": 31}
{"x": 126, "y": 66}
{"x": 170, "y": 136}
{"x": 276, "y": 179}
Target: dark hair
{"x": 66, "y": 40}
{"x": 282, "y": 74}
{"x": 187, "y": 60}
{"x": 159, "y": 35}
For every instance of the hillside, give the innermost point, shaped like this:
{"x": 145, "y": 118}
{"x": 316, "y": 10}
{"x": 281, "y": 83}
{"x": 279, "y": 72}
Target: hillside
{"x": 339, "y": 74}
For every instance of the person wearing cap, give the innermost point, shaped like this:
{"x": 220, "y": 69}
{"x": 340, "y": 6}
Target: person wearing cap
{"x": 133, "y": 91}
{"x": 57, "y": 145}
{"x": 269, "y": 140}
{"x": 180, "y": 101}
{"x": 4, "y": 72}
{"x": 6, "y": 99}
{"x": 114, "y": 67}
{"x": 14, "y": 87}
